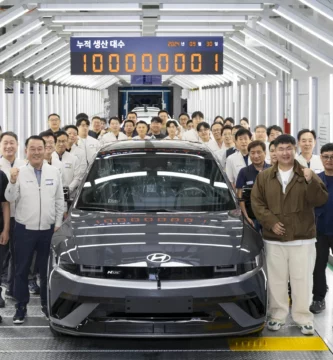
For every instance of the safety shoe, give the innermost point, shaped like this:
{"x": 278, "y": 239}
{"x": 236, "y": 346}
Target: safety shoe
{"x": 2, "y": 301}
{"x": 45, "y": 311}
{"x": 0, "y": 319}
{"x": 307, "y": 329}
{"x": 20, "y": 314}
{"x": 9, "y": 294}
{"x": 317, "y": 306}
{"x": 34, "y": 289}
{"x": 274, "y": 325}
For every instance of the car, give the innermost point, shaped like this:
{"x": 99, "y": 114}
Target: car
{"x": 147, "y": 113}
{"x": 155, "y": 245}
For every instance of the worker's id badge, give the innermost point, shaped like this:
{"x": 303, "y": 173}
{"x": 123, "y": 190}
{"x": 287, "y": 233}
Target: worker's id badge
{"x": 68, "y": 165}
{"x": 48, "y": 182}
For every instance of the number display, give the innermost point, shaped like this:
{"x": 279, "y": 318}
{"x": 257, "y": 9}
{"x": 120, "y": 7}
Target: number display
{"x": 148, "y": 63}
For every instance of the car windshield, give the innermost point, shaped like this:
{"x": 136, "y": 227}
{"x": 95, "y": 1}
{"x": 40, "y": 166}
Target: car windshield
{"x": 149, "y": 180}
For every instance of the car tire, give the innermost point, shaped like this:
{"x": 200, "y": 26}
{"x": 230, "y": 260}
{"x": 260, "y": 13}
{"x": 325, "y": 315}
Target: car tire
{"x": 55, "y": 333}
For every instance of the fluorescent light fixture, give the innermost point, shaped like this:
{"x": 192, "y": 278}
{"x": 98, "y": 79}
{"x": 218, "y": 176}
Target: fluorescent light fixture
{"x": 262, "y": 55}
{"x": 11, "y": 14}
{"x": 250, "y": 101}
{"x": 196, "y": 28}
{"x": 61, "y": 19}
{"x": 20, "y": 45}
{"x": 294, "y": 106}
{"x": 211, "y": 7}
{"x": 263, "y": 40}
{"x": 53, "y": 58}
{"x": 268, "y": 103}
{"x": 89, "y": 7}
{"x": 248, "y": 58}
{"x": 194, "y": 33}
{"x": 101, "y": 28}
{"x": 305, "y": 23}
{"x": 319, "y": 7}
{"x": 238, "y": 68}
{"x": 295, "y": 40}
{"x": 200, "y": 19}
{"x": 36, "y": 59}
{"x": 3, "y": 103}
{"x": 54, "y": 74}
{"x": 331, "y": 107}
{"x": 19, "y": 31}
{"x": 258, "y": 102}
{"x": 243, "y": 63}
{"x": 111, "y": 34}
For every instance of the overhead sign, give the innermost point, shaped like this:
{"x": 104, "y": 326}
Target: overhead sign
{"x": 147, "y": 56}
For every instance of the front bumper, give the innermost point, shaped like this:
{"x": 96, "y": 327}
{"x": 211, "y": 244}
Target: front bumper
{"x": 100, "y": 307}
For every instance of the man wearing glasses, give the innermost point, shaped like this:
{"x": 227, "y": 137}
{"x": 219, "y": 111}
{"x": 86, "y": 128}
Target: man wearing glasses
{"x": 283, "y": 199}
{"x": 324, "y": 232}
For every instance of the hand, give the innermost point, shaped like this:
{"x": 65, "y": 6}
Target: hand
{"x": 4, "y": 238}
{"x": 250, "y": 222}
{"x": 56, "y": 228}
{"x": 14, "y": 172}
{"x": 307, "y": 174}
{"x": 279, "y": 229}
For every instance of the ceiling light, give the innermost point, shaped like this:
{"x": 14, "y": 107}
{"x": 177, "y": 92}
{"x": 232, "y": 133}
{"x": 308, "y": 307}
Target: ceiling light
{"x": 196, "y": 19}
{"x": 263, "y": 40}
{"x": 96, "y": 19}
{"x": 295, "y": 40}
{"x": 12, "y": 14}
{"x": 36, "y": 59}
{"x": 48, "y": 70}
{"x": 19, "y": 31}
{"x": 189, "y": 33}
{"x": 243, "y": 63}
{"x": 89, "y": 7}
{"x": 197, "y": 28}
{"x": 55, "y": 72}
{"x": 102, "y": 28}
{"x": 211, "y": 7}
{"x": 306, "y": 24}
{"x": 53, "y": 58}
{"x": 20, "y": 45}
{"x": 234, "y": 68}
{"x": 319, "y": 7}
{"x": 248, "y": 58}
{"x": 261, "y": 54}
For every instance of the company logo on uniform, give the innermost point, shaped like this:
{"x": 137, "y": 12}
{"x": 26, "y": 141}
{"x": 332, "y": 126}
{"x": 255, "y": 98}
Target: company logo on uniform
{"x": 158, "y": 258}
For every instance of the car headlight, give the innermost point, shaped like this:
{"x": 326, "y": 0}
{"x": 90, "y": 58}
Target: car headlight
{"x": 68, "y": 266}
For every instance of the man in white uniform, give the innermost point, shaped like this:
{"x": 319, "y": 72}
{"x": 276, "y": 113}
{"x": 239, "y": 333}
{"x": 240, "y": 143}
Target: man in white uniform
{"x": 306, "y": 142}
{"x": 114, "y": 134}
{"x": 204, "y": 134}
{"x": 85, "y": 142}
{"x": 192, "y": 135}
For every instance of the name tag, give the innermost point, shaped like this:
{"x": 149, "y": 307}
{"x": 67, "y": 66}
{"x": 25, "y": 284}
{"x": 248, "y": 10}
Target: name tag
{"x": 249, "y": 183}
{"x": 317, "y": 171}
{"x": 91, "y": 145}
{"x": 49, "y": 182}
{"x": 68, "y": 165}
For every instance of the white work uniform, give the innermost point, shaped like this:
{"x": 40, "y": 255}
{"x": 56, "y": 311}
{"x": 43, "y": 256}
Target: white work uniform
{"x": 316, "y": 164}
{"x": 212, "y": 144}
{"x": 138, "y": 138}
{"x": 169, "y": 138}
{"x": 222, "y": 155}
{"x": 90, "y": 146}
{"x": 110, "y": 137}
{"x": 71, "y": 175}
{"x": 5, "y": 166}
{"x": 235, "y": 163}
{"x": 80, "y": 154}
{"x": 37, "y": 207}
{"x": 191, "y": 135}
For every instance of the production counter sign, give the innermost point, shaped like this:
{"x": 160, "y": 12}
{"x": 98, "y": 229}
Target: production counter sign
{"x": 147, "y": 56}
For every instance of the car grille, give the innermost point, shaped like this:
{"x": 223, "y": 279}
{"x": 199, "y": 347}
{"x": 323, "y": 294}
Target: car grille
{"x": 161, "y": 273}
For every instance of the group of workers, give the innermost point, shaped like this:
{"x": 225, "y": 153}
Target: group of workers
{"x": 285, "y": 192}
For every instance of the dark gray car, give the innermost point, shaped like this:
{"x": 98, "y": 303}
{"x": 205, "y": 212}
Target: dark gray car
{"x": 155, "y": 246}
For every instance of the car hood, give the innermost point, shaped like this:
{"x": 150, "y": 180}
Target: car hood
{"x": 188, "y": 239}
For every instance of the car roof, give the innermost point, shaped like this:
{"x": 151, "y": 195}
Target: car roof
{"x": 155, "y": 144}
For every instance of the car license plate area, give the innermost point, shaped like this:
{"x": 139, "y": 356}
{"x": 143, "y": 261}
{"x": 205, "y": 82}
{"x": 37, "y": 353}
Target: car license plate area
{"x": 168, "y": 305}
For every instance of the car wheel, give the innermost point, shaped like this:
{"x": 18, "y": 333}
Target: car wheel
{"x": 55, "y": 333}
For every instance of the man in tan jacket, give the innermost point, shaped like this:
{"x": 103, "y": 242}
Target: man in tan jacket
{"x": 283, "y": 200}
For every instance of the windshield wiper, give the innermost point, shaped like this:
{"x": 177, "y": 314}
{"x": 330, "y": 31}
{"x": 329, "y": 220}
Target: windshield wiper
{"x": 95, "y": 208}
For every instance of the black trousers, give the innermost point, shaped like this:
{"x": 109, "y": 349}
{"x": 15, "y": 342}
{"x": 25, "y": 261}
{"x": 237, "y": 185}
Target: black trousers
{"x": 11, "y": 264}
{"x": 323, "y": 245}
{"x": 26, "y": 243}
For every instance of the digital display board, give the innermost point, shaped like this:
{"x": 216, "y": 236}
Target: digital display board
{"x": 147, "y": 56}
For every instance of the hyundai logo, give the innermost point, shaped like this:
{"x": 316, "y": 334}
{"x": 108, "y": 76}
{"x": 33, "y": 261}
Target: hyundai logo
{"x": 158, "y": 258}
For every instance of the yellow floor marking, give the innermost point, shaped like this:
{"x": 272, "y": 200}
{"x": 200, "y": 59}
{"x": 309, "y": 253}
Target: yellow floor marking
{"x": 304, "y": 343}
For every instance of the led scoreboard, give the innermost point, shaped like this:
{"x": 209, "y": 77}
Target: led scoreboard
{"x": 146, "y": 56}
